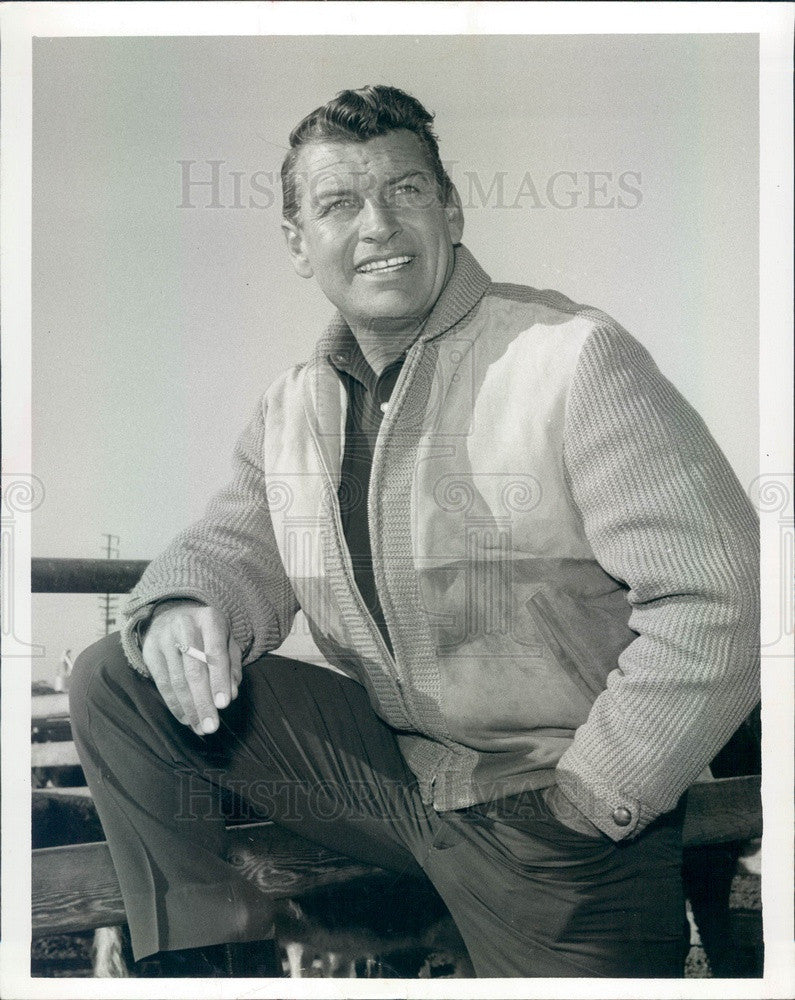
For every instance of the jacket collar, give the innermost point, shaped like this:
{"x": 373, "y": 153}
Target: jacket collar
{"x": 467, "y": 285}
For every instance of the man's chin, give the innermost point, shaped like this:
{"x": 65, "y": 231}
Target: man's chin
{"x": 393, "y": 313}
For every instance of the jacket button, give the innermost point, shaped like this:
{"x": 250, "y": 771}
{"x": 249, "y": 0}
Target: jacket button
{"x": 622, "y": 817}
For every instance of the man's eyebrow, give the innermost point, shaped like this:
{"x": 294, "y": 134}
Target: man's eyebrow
{"x": 409, "y": 173}
{"x": 340, "y": 190}
{"x": 334, "y": 192}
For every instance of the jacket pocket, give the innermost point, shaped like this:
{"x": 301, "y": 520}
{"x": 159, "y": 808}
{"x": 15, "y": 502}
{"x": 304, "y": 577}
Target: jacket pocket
{"x": 554, "y": 634}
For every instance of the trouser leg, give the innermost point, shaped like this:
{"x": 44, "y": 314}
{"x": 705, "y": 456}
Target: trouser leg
{"x": 533, "y": 898}
{"x": 299, "y": 742}
{"x": 530, "y": 897}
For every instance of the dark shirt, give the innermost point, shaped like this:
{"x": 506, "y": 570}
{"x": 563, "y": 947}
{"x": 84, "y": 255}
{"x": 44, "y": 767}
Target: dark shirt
{"x": 368, "y": 396}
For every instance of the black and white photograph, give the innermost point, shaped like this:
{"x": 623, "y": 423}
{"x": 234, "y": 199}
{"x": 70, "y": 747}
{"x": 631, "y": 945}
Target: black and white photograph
{"x": 395, "y": 399}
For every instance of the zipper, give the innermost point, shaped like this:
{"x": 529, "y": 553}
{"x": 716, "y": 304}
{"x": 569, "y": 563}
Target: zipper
{"x": 374, "y": 629}
{"x": 375, "y": 632}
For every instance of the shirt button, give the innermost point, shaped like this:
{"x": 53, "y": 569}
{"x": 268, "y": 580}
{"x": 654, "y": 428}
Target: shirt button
{"x": 384, "y": 406}
{"x": 622, "y": 817}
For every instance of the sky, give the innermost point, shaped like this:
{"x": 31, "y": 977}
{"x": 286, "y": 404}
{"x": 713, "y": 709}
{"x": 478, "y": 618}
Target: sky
{"x": 619, "y": 170}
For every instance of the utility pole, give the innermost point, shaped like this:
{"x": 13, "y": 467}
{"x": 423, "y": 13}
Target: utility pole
{"x": 107, "y": 602}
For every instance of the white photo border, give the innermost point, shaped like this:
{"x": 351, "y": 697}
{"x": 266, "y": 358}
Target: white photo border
{"x": 773, "y": 24}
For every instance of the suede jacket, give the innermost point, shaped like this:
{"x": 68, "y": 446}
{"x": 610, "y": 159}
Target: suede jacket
{"x": 566, "y": 563}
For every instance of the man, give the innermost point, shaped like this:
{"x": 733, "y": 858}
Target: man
{"x": 529, "y": 563}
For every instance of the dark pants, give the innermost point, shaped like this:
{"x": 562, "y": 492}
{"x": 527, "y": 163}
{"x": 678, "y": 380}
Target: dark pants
{"x": 302, "y": 744}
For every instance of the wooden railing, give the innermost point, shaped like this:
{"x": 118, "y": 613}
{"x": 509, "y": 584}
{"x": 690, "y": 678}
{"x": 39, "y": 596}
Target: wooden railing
{"x": 75, "y": 887}
{"x": 73, "y": 576}
{"x": 85, "y": 576}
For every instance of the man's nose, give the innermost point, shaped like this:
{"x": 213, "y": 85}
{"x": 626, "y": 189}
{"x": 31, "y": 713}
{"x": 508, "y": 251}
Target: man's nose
{"x": 378, "y": 222}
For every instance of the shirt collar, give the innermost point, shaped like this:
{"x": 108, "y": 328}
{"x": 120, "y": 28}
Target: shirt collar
{"x": 467, "y": 286}
{"x": 344, "y": 353}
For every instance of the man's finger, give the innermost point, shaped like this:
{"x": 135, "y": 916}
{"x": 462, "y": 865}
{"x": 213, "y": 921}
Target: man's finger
{"x": 235, "y": 659}
{"x": 216, "y": 650}
{"x": 215, "y": 646}
{"x": 196, "y": 676}
{"x": 181, "y": 684}
{"x": 160, "y": 670}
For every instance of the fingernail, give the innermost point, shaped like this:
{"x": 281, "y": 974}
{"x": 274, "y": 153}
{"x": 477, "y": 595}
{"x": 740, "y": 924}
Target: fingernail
{"x": 208, "y": 725}
{"x": 221, "y": 700}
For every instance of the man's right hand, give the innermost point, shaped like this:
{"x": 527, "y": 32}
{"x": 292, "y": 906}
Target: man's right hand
{"x": 192, "y": 690}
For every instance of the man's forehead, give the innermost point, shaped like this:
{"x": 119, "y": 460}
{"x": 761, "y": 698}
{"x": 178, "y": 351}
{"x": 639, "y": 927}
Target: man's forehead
{"x": 386, "y": 157}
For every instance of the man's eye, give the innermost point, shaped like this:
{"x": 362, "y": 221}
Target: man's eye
{"x": 339, "y": 205}
{"x": 411, "y": 195}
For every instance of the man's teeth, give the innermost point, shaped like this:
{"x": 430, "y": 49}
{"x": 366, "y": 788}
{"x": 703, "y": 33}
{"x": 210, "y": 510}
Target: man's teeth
{"x": 383, "y": 265}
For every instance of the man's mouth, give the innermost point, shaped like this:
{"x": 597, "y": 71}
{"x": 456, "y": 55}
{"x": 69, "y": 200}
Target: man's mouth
{"x": 385, "y": 265}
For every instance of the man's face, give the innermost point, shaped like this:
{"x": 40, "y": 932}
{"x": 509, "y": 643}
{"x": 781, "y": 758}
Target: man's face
{"x": 373, "y": 230}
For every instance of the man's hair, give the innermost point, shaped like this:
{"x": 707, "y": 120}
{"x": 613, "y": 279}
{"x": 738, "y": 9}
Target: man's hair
{"x": 356, "y": 116}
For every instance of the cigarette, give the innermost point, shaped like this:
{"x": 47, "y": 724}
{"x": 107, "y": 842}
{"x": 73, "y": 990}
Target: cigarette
{"x": 197, "y": 654}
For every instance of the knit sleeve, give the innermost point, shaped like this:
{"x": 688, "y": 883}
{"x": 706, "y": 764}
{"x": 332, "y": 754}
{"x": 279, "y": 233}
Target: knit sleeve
{"x": 664, "y": 514}
{"x": 228, "y": 560}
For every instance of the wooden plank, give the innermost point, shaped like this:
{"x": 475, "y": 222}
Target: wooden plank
{"x": 51, "y": 731}
{"x": 49, "y": 706}
{"x": 59, "y": 817}
{"x": 81, "y": 792}
{"x": 723, "y": 810}
{"x": 53, "y": 755}
{"x": 75, "y": 888}
{"x": 85, "y": 576}
{"x": 282, "y": 864}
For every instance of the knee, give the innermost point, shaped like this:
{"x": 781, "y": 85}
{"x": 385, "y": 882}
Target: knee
{"x": 98, "y": 675}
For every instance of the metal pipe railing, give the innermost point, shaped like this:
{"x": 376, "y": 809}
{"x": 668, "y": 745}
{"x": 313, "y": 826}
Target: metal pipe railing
{"x": 85, "y": 576}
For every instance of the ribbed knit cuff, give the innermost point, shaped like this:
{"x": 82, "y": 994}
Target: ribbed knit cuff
{"x": 565, "y": 812}
{"x": 138, "y": 614}
{"x": 211, "y": 592}
{"x": 618, "y": 815}
{"x": 129, "y": 639}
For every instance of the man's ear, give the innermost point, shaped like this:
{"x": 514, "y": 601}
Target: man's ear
{"x": 454, "y": 211}
{"x": 295, "y": 246}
